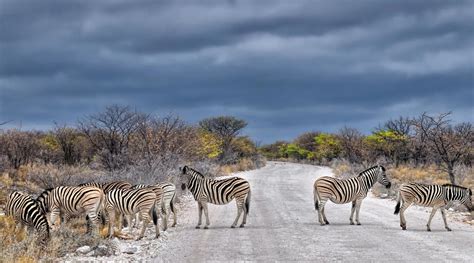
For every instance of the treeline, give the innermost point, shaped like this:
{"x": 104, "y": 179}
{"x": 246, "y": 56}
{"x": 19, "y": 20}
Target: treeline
{"x": 419, "y": 141}
{"x": 120, "y": 137}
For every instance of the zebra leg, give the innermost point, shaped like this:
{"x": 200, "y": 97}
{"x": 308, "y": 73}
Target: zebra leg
{"x": 324, "y": 216}
{"x": 321, "y": 214}
{"x": 54, "y": 214}
{"x": 145, "y": 219}
{"x": 111, "y": 214}
{"x": 129, "y": 223}
{"x": 444, "y": 219}
{"x": 164, "y": 214}
{"x": 403, "y": 222}
{"x": 240, "y": 204}
{"x": 433, "y": 212}
{"x": 352, "y": 212}
{"x": 206, "y": 213}
{"x": 200, "y": 214}
{"x": 358, "y": 203}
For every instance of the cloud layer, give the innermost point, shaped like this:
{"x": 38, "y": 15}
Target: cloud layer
{"x": 284, "y": 66}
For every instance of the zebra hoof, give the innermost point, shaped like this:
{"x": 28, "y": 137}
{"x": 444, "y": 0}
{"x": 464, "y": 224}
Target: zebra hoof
{"x": 232, "y": 226}
{"x": 242, "y": 226}
{"x": 327, "y": 223}
{"x": 173, "y": 225}
{"x": 448, "y": 229}
{"x": 428, "y": 229}
{"x": 197, "y": 227}
{"x": 403, "y": 227}
{"x": 322, "y": 224}
{"x": 358, "y": 223}
{"x": 352, "y": 223}
{"x": 206, "y": 227}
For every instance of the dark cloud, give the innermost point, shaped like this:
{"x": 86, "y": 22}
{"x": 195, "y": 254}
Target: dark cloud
{"x": 285, "y": 66}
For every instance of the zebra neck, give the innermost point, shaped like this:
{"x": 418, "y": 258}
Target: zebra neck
{"x": 369, "y": 179}
{"x": 194, "y": 185}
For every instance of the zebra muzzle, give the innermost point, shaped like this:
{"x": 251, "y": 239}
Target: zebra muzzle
{"x": 183, "y": 187}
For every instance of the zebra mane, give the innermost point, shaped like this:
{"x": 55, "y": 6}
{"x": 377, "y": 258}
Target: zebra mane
{"x": 371, "y": 168}
{"x": 196, "y": 172}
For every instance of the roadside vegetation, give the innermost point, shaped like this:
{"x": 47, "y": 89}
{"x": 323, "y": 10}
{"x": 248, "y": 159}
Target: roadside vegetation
{"x": 118, "y": 143}
{"x": 426, "y": 149}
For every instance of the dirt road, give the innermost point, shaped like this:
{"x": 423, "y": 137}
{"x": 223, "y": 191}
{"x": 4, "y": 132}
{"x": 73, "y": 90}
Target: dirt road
{"x": 282, "y": 225}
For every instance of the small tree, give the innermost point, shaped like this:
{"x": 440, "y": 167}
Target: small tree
{"x": 328, "y": 146}
{"x": 352, "y": 144}
{"x": 450, "y": 145}
{"x": 388, "y": 143}
{"x": 226, "y": 128}
{"x": 109, "y": 132}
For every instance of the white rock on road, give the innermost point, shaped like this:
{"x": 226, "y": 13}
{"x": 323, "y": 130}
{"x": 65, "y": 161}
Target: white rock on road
{"x": 282, "y": 225}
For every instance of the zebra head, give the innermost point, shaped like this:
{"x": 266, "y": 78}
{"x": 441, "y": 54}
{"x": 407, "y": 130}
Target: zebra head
{"x": 382, "y": 177}
{"x": 461, "y": 194}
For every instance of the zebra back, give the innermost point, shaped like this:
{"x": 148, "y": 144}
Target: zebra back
{"x": 130, "y": 201}
{"x": 72, "y": 200}
{"x": 27, "y": 211}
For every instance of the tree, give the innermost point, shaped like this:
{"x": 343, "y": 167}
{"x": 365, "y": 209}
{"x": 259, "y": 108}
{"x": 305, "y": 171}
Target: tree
{"x": 449, "y": 144}
{"x": 388, "y": 143}
{"x": 109, "y": 132}
{"x": 292, "y": 151}
{"x": 306, "y": 141}
{"x": 352, "y": 144}
{"x": 328, "y": 146}
{"x": 20, "y": 147}
{"x": 226, "y": 128}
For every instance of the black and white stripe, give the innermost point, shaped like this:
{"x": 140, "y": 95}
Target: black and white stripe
{"x": 107, "y": 187}
{"x": 167, "y": 203}
{"x": 341, "y": 191}
{"x": 129, "y": 202}
{"x": 219, "y": 192}
{"x": 436, "y": 196}
{"x": 70, "y": 201}
{"x": 26, "y": 211}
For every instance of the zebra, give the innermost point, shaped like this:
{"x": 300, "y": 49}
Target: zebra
{"x": 436, "y": 196}
{"x": 130, "y": 202}
{"x": 167, "y": 203}
{"x": 341, "y": 191}
{"x": 26, "y": 211}
{"x": 69, "y": 201}
{"x": 219, "y": 192}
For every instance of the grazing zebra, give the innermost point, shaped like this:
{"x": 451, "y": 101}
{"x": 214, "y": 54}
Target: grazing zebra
{"x": 130, "y": 202}
{"x": 219, "y": 192}
{"x": 69, "y": 201}
{"x": 167, "y": 203}
{"x": 341, "y": 191}
{"x": 26, "y": 211}
{"x": 436, "y": 196}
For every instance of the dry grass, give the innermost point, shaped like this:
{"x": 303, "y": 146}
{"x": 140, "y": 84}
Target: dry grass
{"x": 244, "y": 164}
{"x": 16, "y": 245}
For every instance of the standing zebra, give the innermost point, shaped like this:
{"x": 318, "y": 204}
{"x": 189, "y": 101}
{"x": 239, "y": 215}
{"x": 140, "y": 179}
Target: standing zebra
{"x": 130, "y": 202}
{"x": 26, "y": 211}
{"x": 341, "y": 191}
{"x": 219, "y": 192}
{"x": 167, "y": 203}
{"x": 69, "y": 201}
{"x": 436, "y": 196}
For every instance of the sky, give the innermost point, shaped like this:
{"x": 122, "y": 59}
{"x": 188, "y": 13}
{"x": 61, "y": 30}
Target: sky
{"x": 286, "y": 67}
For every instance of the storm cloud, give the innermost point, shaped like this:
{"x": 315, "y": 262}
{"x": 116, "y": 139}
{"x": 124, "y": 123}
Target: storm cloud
{"x": 284, "y": 66}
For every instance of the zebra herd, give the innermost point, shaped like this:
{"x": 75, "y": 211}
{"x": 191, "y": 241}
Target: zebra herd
{"x": 102, "y": 202}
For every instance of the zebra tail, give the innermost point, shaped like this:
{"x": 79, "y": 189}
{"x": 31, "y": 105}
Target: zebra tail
{"x": 316, "y": 198}
{"x": 397, "y": 207}
{"x": 154, "y": 215}
{"x": 247, "y": 203}
{"x": 172, "y": 203}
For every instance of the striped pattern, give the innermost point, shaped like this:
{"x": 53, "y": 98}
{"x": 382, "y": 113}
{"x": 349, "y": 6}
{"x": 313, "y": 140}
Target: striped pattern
{"x": 167, "y": 203}
{"x": 107, "y": 187}
{"x": 341, "y": 191}
{"x": 219, "y": 192}
{"x": 26, "y": 211}
{"x": 129, "y": 202}
{"x": 435, "y": 196}
{"x": 69, "y": 201}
